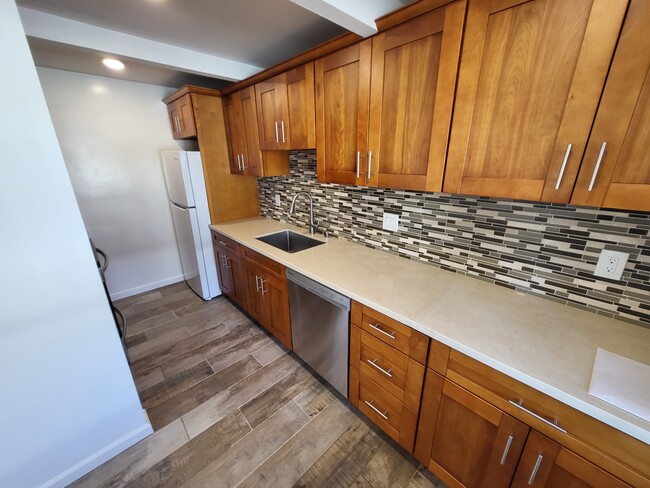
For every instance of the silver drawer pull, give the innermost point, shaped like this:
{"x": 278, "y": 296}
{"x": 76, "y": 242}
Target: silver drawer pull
{"x": 376, "y": 327}
{"x": 225, "y": 261}
{"x": 370, "y": 404}
{"x": 222, "y": 243}
{"x": 506, "y": 450}
{"x": 358, "y": 159}
{"x": 374, "y": 363}
{"x": 262, "y": 289}
{"x": 566, "y": 158}
{"x": 257, "y": 283}
{"x": 538, "y": 417}
{"x": 597, "y": 167}
{"x": 538, "y": 463}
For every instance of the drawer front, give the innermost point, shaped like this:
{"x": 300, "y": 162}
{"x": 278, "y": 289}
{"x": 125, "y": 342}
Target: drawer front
{"x": 383, "y": 408}
{"x": 403, "y": 338}
{"x": 223, "y": 241}
{"x": 383, "y": 364}
{"x": 267, "y": 264}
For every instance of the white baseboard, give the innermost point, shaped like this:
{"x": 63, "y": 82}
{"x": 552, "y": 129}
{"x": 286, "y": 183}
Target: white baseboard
{"x": 100, "y": 457}
{"x": 146, "y": 287}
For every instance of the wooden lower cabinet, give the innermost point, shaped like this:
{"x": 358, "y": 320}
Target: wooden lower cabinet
{"x": 229, "y": 270}
{"x": 268, "y": 302}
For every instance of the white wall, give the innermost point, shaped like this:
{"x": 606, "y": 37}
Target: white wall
{"x": 68, "y": 401}
{"x": 111, "y": 133}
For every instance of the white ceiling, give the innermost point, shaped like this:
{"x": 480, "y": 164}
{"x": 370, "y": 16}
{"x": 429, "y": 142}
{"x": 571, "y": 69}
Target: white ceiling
{"x": 162, "y": 41}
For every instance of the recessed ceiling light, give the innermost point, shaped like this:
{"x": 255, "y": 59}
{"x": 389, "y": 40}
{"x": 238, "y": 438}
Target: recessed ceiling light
{"x": 113, "y": 63}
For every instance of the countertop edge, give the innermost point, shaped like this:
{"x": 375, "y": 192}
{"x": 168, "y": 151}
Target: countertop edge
{"x": 606, "y": 417}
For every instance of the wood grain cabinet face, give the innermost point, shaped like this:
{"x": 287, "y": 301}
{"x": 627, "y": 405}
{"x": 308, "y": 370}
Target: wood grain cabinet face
{"x": 181, "y": 117}
{"x": 285, "y": 107}
{"x": 383, "y": 106}
{"x": 231, "y": 279}
{"x": 235, "y": 132}
{"x": 530, "y": 80}
{"x": 622, "y": 126}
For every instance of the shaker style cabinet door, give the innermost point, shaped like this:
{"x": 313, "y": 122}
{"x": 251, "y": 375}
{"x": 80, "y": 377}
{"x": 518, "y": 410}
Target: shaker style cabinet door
{"x": 616, "y": 167}
{"x": 342, "y": 104}
{"x": 298, "y": 117}
{"x": 235, "y": 132}
{"x": 252, "y": 163}
{"x": 530, "y": 80}
{"x": 414, "y": 68}
{"x": 269, "y": 114}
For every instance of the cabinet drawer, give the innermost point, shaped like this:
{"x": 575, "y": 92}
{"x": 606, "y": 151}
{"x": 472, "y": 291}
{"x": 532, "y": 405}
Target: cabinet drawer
{"x": 599, "y": 443}
{"x": 266, "y": 264}
{"x": 224, "y": 242}
{"x": 397, "y": 335}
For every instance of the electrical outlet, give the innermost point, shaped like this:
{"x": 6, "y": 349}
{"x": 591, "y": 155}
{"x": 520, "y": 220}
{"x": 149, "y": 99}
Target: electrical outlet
{"x": 277, "y": 199}
{"x": 611, "y": 264}
{"x": 391, "y": 221}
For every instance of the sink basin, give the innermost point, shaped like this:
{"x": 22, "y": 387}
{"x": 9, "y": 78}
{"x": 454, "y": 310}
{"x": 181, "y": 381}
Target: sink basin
{"x": 289, "y": 241}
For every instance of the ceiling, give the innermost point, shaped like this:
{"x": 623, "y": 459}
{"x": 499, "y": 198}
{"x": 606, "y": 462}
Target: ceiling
{"x": 173, "y": 42}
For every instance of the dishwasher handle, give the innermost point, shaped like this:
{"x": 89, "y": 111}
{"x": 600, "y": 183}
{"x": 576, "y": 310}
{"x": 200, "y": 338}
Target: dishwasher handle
{"x": 319, "y": 290}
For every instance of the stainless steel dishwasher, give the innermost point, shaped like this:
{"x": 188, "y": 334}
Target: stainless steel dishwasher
{"x": 320, "y": 328}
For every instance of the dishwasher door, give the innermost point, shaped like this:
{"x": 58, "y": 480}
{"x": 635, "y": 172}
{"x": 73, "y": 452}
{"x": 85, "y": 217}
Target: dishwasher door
{"x": 320, "y": 328}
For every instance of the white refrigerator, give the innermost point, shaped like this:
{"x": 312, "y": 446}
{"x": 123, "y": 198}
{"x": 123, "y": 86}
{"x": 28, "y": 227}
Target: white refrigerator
{"x": 189, "y": 206}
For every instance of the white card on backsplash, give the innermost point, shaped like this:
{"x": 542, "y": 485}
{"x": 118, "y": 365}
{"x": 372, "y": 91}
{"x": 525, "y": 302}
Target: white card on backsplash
{"x": 623, "y": 382}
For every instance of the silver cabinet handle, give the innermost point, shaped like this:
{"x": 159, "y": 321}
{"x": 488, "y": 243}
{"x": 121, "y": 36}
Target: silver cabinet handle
{"x": 358, "y": 159}
{"x": 225, "y": 262}
{"x": 239, "y": 161}
{"x": 369, "y": 163}
{"x": 374, "y": 363}
{"x": 180, "y": 123}
{"x": 282, "y": 125}
{"x": 506, "y": 450}
{"x": 243, "y": 162}
{"x": 538, "y": 417}
{"x": 222, "y": 243}
{"x": 538, "y": 463}
{"x": 277, "y": 136}
{"x": 566, "y": 158}
{"x": 178, "y": 126}
{"x": 379, "y": 412}
{"x": 375, "y": 326}
{"x": 597, "y": 167}
{"x": 262, "y": 289}
{"x": 257, "y": 283}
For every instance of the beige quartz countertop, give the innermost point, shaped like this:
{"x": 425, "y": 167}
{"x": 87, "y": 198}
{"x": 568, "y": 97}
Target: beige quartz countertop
{"x": 543, "y": 344}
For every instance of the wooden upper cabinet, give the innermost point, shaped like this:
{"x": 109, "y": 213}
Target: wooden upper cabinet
{"x": 285, "y": 110}
{"x": 622, "y": 126}
{"x": 530, "y": 79}
{"x": 246, "y": 158}
{"x": 342, "y": 107}
{"x": 414, "y": 68}
{"x": 181, "y": 117}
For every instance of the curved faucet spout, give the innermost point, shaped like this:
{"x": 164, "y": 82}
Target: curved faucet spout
{"x": 313, "y": 225}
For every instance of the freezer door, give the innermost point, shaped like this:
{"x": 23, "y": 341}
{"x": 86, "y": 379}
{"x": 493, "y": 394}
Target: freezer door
{"x": 177, "y": 177}
{"x": 189, "y": 247}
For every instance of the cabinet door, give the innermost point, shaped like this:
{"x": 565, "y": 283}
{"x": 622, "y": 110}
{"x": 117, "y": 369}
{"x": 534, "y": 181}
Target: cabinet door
{"x": 269, "y": 109}
{"x": 622, "y": 126}
{"x": 544, "y": 464}
{"x": 342, "y": 105}
{"x": 240, "y": 291}
{"x": 414, "y": 67}
{"x": 255, "y": 305}
{"x": 275, "y": 298}
{"x": 252, "y": 163}
{"x": 529, "y": 83}
{"x": 235, "y": 132}
{"x": 224, "y": 271}
{"x": 298, "y": 117}
{"x": 464, "y": 440}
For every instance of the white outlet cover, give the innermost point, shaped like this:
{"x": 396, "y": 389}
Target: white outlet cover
{"x": 277, "y": 199}
{"x": 391, "y": 222}
{"x": 611, "y": 264}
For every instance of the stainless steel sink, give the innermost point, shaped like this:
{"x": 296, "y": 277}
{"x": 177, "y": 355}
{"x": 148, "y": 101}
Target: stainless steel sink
{"x": 289, "y": 241}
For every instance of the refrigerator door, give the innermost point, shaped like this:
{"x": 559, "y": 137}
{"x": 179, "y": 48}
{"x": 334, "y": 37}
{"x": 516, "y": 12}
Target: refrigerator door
{"x": 189, "y": 247}
{"x": 177, "y": 177}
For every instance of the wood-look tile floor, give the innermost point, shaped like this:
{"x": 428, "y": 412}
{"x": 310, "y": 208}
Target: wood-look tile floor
{"x": 231, "y": 407}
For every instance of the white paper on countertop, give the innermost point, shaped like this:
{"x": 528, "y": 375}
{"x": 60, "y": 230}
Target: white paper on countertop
{"x": 623, "y": 382}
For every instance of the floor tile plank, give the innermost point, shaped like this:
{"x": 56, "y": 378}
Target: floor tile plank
{"x": 241, "y": 459}
{"x": 192, "y": 397}
{"x": 229, "y": 400}
{"x": 148, "y": 380}
{"x": 147, "y": 349}
{"x": 136, "y": 459}
{"x": 150, "y": 323}
{"x": 289, "y": 463}
{"x": 390, "y": 468}
{"x": 174, "y": 385}
{"x": 315, "y": 398}
{"x": 239, "y": 351}
{"x": 270, "y": 353}
{"x": 424, "y": 478}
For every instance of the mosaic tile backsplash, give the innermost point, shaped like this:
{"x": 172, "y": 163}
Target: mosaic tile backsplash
{"x": 539, "y": 248}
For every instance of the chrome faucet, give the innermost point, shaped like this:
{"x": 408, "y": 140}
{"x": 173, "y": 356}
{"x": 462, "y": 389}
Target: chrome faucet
{"x": 313, "y": 224}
